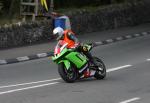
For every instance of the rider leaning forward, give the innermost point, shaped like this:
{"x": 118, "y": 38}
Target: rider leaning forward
{"x": 68, "y": 37}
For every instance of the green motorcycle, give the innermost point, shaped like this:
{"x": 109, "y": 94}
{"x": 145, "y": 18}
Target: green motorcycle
{"x": 73, "y": 65}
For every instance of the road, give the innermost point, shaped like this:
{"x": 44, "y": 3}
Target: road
{"x": 127, "y": 81}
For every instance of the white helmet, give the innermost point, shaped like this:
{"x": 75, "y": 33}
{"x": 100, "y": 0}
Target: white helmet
{"x": 58, "y": 32}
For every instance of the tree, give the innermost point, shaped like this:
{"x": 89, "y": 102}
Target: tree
{"x": 10, "y": 7}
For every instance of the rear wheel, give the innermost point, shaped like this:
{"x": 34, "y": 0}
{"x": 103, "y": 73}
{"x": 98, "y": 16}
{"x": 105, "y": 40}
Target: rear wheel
{"x": 101, "y": 69}
{"x": 68, "y": 76}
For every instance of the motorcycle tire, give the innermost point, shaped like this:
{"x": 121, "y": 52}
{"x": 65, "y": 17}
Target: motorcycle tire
{"x": 67, "y": 76}
{"x": 100, "y": 74}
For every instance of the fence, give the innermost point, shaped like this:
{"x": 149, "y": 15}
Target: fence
{"x": 36, "y": 8}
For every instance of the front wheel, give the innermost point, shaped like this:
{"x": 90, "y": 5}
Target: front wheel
{"x": 68, "y": 76}
{"x": 101, "y": 69}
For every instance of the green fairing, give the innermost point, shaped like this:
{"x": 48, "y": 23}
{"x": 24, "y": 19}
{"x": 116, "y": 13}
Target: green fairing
{"x": 66, "y": 63}
{"x": 76, "y": 58}
{"x": 69, "y": 55}
{"x": 56, "y": 58}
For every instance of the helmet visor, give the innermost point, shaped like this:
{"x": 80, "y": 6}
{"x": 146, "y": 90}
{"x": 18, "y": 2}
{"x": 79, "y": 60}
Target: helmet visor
{"x": 57, "y": 36}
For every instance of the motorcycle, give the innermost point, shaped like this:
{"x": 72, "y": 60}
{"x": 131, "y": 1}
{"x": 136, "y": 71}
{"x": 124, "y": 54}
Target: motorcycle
{"x": 73, "y": 65}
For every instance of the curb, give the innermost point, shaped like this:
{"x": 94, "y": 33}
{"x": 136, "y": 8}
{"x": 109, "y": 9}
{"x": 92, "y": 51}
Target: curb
{"x": 25, "y": 58}
{"x": 121, "y": 38}
{"x": 43, "y": 55}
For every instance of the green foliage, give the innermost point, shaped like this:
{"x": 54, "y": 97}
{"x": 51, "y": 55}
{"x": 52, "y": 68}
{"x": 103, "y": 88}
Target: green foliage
{"x": 10, "y": 7}
{"x": 9, "y": 12}
{"x": 79, "y": 3}
{"x": 82, "y": 3}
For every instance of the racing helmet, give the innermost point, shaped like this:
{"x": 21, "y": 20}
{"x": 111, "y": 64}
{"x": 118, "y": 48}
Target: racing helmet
{"x": 58, "y": 33}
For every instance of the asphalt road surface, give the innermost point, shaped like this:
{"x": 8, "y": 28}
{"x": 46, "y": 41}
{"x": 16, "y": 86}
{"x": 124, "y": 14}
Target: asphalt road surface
{"x": 127, "y": 81}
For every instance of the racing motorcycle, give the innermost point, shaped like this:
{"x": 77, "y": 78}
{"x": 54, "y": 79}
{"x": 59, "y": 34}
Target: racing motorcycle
{"x": 74, "y": 65}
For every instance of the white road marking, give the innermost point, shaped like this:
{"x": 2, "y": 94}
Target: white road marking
{"x": 99, "y": 43}
{"x": 128, "y": 36}
{"x": 15, "y": 90}
{"x": 109, "y": 40}
{"x": 130, "y": 100}
{"x": 15, "y": 85}
{"x": 144, "y": 33}
{"x": 118, "y": 68}
{"x": 3, "y": 62}
{"x": 148, "y": 59}
{"x": 119, "y": 38}
{"x": 51, "y": 80}
{"x": 25, "y": 58}
{"x": 42, "y": 55}
{"x": 21, "y": 89}
{"x": 136, "y": 35}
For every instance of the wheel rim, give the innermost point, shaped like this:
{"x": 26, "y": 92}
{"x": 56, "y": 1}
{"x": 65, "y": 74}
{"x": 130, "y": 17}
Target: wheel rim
{"x": 70, "y": 73}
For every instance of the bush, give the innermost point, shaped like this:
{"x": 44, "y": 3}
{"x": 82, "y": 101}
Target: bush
{"x": 79, "y": 3}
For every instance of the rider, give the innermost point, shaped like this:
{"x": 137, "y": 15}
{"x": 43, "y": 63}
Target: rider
{"x": 68, "y": 37}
